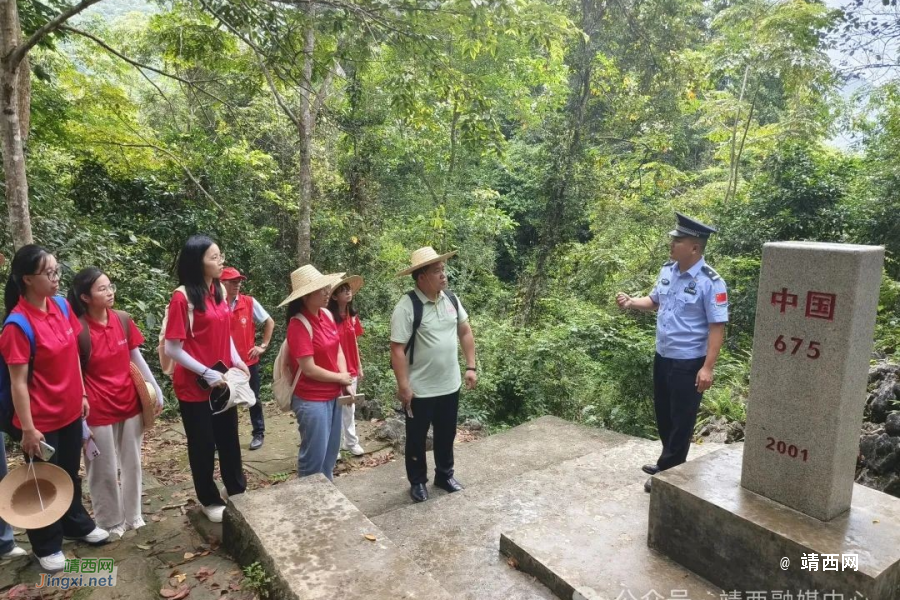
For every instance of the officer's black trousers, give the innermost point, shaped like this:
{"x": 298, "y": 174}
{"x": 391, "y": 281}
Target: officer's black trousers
{"x": 676, "y": 401}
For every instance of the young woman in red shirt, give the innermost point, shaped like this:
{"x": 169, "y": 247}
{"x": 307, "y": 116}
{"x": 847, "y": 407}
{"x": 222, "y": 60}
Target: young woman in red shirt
{"x": 198, "y": 339}
{"x": 314, "y": 347}
{"x": 111, "y": 343}
{"x": 349, "y": 328}
{"x": 49, "y": 396}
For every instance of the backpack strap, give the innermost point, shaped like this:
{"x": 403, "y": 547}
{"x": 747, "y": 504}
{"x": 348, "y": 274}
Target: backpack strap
{"x": 21, "y": 321}
{"x": 125, "y": 320}
{"x": 62, "y": 305}
{"x": 418, "y": 310}
{"x": 84, "y": 343}
{"x": 306, "y": 323}
{"x": 190, "y": 309}
{"x": 454, "y": 301}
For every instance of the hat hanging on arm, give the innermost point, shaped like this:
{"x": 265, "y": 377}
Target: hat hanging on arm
{"x": 306, "y": 280}
{"x": 146, "y": 395}
{"x": 424, "y": 257}
{"x": 35, "y": 495}
{"x": 688, "y": 227}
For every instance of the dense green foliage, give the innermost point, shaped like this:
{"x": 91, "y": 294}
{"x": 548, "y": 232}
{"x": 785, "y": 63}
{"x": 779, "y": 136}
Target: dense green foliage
{"x": 549, "y": 141}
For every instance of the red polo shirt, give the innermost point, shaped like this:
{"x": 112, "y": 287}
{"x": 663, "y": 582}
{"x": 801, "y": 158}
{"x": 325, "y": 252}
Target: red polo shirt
{"x": 209, "y": 341}
{"x": 323, "y": 347}
{"x": 55, "y": 386}
{"x": 350, "y": 329}
{"x": 111, "y": 393}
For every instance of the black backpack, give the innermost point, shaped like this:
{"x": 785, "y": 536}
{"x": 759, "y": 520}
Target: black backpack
{"x": 418, "y": 310}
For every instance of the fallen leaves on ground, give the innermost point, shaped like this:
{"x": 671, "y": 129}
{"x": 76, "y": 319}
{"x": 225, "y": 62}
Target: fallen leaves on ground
{"x": 182, "y": 592}
{"x": 370, "y": 537}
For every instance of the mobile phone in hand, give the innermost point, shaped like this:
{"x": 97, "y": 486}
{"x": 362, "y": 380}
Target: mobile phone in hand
{"x": 47, "y": 451}
{"x": 219, "y": 366}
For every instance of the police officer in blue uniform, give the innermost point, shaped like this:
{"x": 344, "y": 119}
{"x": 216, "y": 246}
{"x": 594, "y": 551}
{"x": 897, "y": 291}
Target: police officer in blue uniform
{"x": 692, "y": 308}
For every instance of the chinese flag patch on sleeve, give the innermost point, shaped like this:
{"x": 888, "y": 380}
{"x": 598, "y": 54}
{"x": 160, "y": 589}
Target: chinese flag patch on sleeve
{"x": 722, "y": 298}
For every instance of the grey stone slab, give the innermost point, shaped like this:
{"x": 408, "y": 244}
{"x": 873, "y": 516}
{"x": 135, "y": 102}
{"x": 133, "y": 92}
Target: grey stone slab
{"x": 311, "y": 539}
{"x": 815, "y": 322}
{"x": 598, "y": 550}
{"x": 704, "y": 519}
{"x": 457, "y": 537}
{"x": 533, "y": 445}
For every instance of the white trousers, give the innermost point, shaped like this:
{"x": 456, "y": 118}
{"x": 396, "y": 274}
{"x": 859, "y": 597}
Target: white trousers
{"x": 114, "y": 477}
{"x": 348, "y": 421}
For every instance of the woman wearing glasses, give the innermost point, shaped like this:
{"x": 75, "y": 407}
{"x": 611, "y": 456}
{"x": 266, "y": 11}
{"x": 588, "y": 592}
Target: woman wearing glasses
{"x": 198, "y": 338}
{"x": 47, "y": 390}
{"x": 109, "y": 342}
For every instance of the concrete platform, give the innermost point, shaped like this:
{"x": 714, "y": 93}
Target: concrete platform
{"x": 311, "y": 539}
{"x": 457, "y": 537}
{"x": 534, "y": 445}
{"x": 743, "y": 537}
{"x": 598, "y": 550}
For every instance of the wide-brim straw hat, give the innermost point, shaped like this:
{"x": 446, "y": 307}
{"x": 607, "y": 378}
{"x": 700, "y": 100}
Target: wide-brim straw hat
{"x": 146, "y": 394}
{"x": 424, "y": 257}
{"x": 354, "y": 281}
{"x": 307, "y": 280}
{"x": 25, "y": 490}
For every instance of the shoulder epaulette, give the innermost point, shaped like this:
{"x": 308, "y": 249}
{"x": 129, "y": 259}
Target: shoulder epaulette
{"x": 710, "y": 272}
{"x": 668, "y": 263}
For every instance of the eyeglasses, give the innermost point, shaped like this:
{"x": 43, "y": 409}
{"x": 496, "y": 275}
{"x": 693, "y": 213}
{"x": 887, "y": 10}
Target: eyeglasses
{"x": 107, "y": 288}
{"x": 52, "y": 275}
{"x": 218, "y": 259}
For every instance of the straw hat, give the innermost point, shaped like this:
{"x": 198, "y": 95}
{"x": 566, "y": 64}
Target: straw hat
{"x": 146, "y": 394}
{"x": 307, "y": 280}
{"x": 354, "y": 281}
{"x": 24, "y": 490}
{"x": 424, "y": 257}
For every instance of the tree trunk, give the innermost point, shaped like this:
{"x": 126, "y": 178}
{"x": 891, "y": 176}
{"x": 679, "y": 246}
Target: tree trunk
{"x": 11, "y": 127}
{"x": 305, "y": 131}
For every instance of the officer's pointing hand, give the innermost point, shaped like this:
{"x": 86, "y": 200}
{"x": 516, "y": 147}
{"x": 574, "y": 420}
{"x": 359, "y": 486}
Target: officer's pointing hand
{"x": 704, "y": 379}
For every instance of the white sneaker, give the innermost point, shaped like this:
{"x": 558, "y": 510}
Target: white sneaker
{"x": 356, "y": 450}
{"x": 97, "y": 536}
{"x": 14, "y": 553}
{"x": 214, "y": 513}
{"x": 118, "y": 531}
{"x": 137, "y": 524}
{"x": 53, "y": 563}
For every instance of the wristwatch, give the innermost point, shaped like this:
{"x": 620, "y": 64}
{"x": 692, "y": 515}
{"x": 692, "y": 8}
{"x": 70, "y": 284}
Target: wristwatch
{"x": 471, "y": 369}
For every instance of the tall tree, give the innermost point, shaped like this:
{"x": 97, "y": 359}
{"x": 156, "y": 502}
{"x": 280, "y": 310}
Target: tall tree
{"x": 15, "y": 106}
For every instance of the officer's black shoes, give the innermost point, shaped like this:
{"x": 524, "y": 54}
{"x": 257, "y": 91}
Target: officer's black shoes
{"x": 450, "y": 485}
{"x": 651, "y": 469}
{"x": 257, "y": 442}
{"x": 418, "y": 492}
{"x": 647, "y": 484}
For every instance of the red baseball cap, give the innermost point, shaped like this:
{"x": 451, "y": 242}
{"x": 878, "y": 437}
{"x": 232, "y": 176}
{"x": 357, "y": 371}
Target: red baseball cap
{"x": 229, "y": 273}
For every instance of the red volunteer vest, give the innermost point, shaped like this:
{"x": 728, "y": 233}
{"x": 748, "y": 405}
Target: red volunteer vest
{"x": 243, "y": 329}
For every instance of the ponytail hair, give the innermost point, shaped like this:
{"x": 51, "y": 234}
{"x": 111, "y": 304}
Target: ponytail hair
{"x": 29, "y": 260}
{"x": 82, "y": 284}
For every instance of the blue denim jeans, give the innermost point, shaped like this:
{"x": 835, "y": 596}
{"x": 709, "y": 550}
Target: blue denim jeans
{"x": 6, "y": 532}
{"x": 319, "y": 424}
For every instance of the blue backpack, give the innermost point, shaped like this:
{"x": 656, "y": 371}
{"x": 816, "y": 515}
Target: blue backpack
{"x": 7, "y": 410}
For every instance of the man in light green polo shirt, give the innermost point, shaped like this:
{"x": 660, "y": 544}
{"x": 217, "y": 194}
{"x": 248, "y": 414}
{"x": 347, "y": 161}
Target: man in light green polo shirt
{"x": 426, "y": 363}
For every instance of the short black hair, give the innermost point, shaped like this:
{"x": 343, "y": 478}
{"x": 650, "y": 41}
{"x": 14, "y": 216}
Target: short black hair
{"x": 419, "y": 271}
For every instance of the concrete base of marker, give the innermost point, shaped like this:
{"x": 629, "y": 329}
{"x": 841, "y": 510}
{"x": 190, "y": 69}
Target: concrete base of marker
{"x": 702, "y": 518}
{"x": 316, "y": 545}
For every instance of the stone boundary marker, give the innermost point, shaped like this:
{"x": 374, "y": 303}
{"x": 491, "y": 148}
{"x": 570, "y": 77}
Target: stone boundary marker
{"x": 815, "y": 322}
